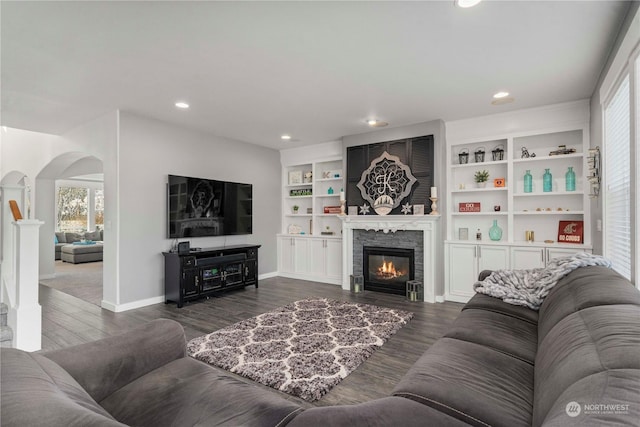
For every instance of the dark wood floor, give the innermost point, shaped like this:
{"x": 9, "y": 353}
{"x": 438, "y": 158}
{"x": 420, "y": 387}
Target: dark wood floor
{"x": 68, "y": 320}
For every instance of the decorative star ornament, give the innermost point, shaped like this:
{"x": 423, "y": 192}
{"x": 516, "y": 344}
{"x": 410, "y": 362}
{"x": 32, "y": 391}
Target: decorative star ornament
{"x": 364, "y": 209}
{"x": 406, "y": 208}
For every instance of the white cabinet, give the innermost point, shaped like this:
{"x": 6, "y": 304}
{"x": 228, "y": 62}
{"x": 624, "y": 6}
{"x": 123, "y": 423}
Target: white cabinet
{"x": 310, "y": 258}
{"x": 465, "y": 262}
{"x": 293, "y": 255}
{"x": 507, "y": 146}
{"x": 527, "y": 257}
{"x": 326, "y": 259}
{"x": 310, "y": 247}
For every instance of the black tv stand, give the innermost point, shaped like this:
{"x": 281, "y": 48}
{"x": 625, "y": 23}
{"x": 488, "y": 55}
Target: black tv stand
{"x": 209, "y": 271}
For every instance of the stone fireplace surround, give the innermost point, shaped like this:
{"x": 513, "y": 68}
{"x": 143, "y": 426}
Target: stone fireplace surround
{"x": 381, "y": 228}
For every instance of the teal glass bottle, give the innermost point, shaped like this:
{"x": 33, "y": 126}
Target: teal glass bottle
{"x": 528, "y": 182}
{"x": 547, "y": 183}
{"x": 570, "y": 180}
{"x": 495, "y": 232}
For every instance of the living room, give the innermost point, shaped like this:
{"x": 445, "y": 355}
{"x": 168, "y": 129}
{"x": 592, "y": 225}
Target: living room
{"x": 138, "y": 150}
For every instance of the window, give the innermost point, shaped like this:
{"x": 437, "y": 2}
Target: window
{"x": 79, "y": 208}
{"x": 621, "y": 119}
{"x": 99, "y": 208}
{"x": 72, "y": 209}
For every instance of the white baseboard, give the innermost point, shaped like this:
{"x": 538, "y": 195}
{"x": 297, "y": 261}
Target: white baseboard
{"x": 268, "y": 275}
{"x": 118, "y": 308}
{"x": 439, "y": 298}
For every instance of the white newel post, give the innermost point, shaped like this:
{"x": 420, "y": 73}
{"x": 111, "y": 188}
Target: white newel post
{"x": 27, "y": 314}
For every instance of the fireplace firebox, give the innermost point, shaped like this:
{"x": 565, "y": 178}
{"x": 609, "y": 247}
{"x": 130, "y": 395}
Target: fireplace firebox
{"x": 387, "y": 269}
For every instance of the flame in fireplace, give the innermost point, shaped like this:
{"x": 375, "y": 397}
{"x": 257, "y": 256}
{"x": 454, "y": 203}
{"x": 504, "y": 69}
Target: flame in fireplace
{"x": 388, "y": 271}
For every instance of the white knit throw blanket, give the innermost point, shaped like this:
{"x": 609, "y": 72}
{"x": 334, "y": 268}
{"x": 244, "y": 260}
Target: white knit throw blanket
{"x": 530, "y": 287}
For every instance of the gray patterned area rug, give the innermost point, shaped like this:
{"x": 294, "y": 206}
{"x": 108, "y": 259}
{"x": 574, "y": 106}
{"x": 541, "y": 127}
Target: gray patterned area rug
{"x": 304, "y": 348}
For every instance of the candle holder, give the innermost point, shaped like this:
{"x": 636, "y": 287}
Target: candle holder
{"x": 342, "y": 205}
{"x": 434, "y": 206}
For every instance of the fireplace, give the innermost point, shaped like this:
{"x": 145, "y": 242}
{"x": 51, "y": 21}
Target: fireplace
{"x": 387, "y": 269}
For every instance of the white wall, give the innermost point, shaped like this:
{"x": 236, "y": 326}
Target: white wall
{"x": 150, "y": 150}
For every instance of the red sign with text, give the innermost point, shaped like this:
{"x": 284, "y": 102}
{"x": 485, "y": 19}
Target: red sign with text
{"x": 469, "y": 207}
{"x": 571, "y": 232}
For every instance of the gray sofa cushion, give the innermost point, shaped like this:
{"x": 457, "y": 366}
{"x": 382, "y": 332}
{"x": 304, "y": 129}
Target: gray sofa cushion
{"x": 385, "y": 412}
{"x": 73, "y": 237}
{"x": 501, "y": 332}
{"x": 92, "y": 235}
{"x": 488, "y": 303}
{"x": 585, "y": 343}
{"x": 37, "y": 392}
{"x": 582, "y": 288}
{"x": 62, "y": 237}
{"x": 122, "y": 358}
{"x": 615, "y": 387}
{"x": 198, "y": 395}
{"x": 471, "y": 382}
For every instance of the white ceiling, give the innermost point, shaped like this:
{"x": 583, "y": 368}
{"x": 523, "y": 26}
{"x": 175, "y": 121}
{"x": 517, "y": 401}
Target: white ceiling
{"x": 316, "y": 70}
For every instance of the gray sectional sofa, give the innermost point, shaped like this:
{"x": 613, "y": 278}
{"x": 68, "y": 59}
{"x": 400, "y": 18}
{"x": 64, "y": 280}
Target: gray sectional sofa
{"x": 68, "y": 249}
{"x": 575, "y": 362}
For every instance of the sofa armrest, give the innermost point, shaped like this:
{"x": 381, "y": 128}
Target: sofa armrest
{"x": 484, "y": 274}
{"x": 104, "y": 366}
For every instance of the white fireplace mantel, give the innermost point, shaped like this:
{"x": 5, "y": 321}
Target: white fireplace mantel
{"x": 427, "y": 224}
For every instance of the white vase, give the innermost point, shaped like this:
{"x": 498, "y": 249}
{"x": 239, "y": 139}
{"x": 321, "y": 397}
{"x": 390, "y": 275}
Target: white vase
{"x": 481, "y": 184}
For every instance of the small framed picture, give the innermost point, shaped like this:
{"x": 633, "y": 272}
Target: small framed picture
{"x": 463, "y": 234}
{"x": 295, "y": 177}
{"x": 352, "y": 210}
{"x": 418, "y": 209}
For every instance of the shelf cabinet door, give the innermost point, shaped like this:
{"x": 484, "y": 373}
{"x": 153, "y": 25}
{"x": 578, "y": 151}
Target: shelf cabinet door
{"x": 294, "y": 254}
{"x": 526, "y": 258}
{"x": 190, "y": 282}
{"x": 561, "y": 252}
{"x": 326, "y": 258}
{"x": 333, "y": 251}
{"x": 462, "y": 267}
{"x": 317, "y": 259}
{"x": 300, "y": 255}
{"x": 492, "y": 258}
{"x": 286, "y": 250}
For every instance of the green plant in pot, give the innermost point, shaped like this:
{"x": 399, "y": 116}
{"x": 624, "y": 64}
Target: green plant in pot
{"x": 481, "y": 178}
{"x": 295, "y": 209}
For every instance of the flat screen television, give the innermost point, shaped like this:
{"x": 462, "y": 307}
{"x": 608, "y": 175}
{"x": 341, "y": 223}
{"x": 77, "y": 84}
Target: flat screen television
{"x": 200, "y": 207}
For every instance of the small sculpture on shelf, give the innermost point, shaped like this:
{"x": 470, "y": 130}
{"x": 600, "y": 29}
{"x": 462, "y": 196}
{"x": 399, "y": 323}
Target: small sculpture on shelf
{"x": 525, "y": 153}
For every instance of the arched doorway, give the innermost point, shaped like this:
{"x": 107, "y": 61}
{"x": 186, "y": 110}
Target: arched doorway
{"x": 80, "y": 276}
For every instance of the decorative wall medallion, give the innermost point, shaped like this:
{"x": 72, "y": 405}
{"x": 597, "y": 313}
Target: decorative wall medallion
{"x": 386, "y": 183}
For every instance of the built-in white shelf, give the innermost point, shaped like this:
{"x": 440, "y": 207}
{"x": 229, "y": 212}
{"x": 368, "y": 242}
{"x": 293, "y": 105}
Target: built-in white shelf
{"x": 549, "y": 158}
{"x": 479, "y": 164}
{"x": 479, "y": 190}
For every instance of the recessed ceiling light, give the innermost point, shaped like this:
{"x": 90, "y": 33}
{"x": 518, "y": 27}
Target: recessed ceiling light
{"x": 500, "y": 101}
{"x": 466, "y": 3}
{"x": 501, "y": 95}
{"x": 376, "y": 123}
{"x": 286, "y": 137}
{"x": 181, "y": 104}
